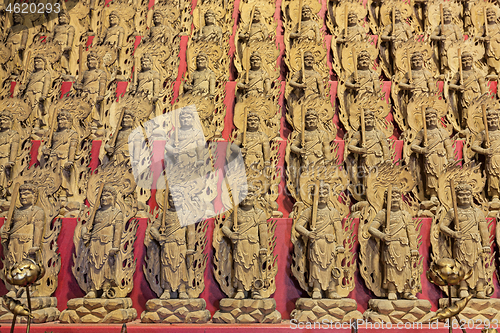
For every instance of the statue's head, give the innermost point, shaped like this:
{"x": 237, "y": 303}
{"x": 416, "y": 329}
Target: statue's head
{"x": 491, "y": 15}
{"x": 311, "y": 119}
{"x": 146, "y": 61}
{"x": 64, "y": 119}
{"x": 395, "y": 197}
{"x": 397, "y": 14}
{"x": 417, "y": 60}
{"x": 369, "y": 118}
{"x": 248, "y": 197}
{"x": 306, "y": 12}
{"x": 352, "y": 18}
{"x": 157, "y": 16}
{"x": 39, "y": 62}
{"x": 92, "y": 60}
{"x": 431, "y": 117}
{"x": 17, "y": 18}
{"x": 324, "y": 192}
{"x": 128, "y": 118}
{"x": 492, "y": 117}
{"x": 467, "y": 59}
{"x": 256, "y": 15}
{"x": 114, "y": 17}
{"x": 255, "y": 60}
{"x": 253, "y": 121}
{"x": 364, "y": 59}
{"x": 63, "y": 17}
{"x": 201, "y": 60}
{"x": 308, "y": 59}
{"x": 464, "y": 194}
{"x": 108, "y": 196}
{"x": 27, "y": 194}
{"x": 447, "y": 14}
{"x": 186, "y": 118}
{"x": 209, "y": 17}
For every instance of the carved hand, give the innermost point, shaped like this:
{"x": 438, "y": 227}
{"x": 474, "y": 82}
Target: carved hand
{"x": 263, "y": 252}
{"x": 33, "y": 249}
{"x": 486, "y": 249}
{"x": 189, "y": 252}
{"x": 68, "y": 165}
{"x": 234, "y": 236}
{"x": 155, "y": 234}
{"x": 113, "y": 251}
{"x": 42, "y": 98}
{"x": 154, "y": 99}
{"x": 312, "y": 235}
{"x": 100, "y": 98}
{"x": 489, "y": 151}
{"x": 414, "y": 253}
{"x": 340, "y": 249}
{"x": 110, "y": 150}
{"x": 457, "y": 235}
{"x": 9, "y": 164}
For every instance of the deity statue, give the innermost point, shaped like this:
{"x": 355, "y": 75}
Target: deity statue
{"x": 202, "y": 80}
{"x": 307, "y": 81}
{"x": 325, "y": 234}
{"x": 60, "y": 150}
{"x": 489, "y": 146}
{"x": 354, "y": 32}
{"x": 9, "y": 145}
{"x": 490, "y": 36}
{"x": 255, "y": 31}
{"x": 36, "y": 89}
{"x": 91, "y": 84}
{"x": 177, "y": 248}
{"x": 314, "y": 143}
{"x": 159, "y": 32}
{"x": 420, "y": 82}
{"x": 398, "y": 34}
{"x": 400, "y": 249}
{"x": 115, "y": 34}
{"x": 255, "y": 146}
{"x": 470, "y": 240}
{"x": 249, "y": 235}
{"x": 119, "y": 150}
{"x": 257, "y": 82}
{"x": 63, "y": 35}
{"x": 445, "y": 34}
{"x": 210, "y": 32}
{"x": 22, "y": 236}
{"x": 16, "y": 39}
{"x": 437, "y": 152}
{"x": 373, "y": 151}
{"x": 103, "y": 237}
{"x": 148, "y": 80}
{"x": 469, "y": 84}
{"x": 309, "y": 28}
{"x": 186, "y": 146}
{"x": 365, "y": 83}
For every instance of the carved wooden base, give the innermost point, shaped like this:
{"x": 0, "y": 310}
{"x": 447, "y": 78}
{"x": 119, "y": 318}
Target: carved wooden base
{"x": 480, "y": 310}
{"x": 176, "y": 311}
{"x": 398, "y": 311}
{"x": 247, "y": 311}
{"x": 99, "y": 310}
{"x": 331, "y": 310}
{"x": 44, "y": 309}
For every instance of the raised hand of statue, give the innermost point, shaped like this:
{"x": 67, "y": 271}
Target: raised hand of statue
{"x": 415, "y": 253}
{"x": 113, "y": 251}
{"x": 68, "y": 165}
{"x": 263, "y": 252}
{"x": 33, "y": 249}
{"x": 340, "y": 249}
{"x": 486, "y": 249}
{"x": 312, "y": 234}
{"x": 109, "y": 150}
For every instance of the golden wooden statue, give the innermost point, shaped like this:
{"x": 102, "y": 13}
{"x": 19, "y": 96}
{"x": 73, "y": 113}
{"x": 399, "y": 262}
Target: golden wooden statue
{"x": 148, "y": 80}
{"x": 172, "y": 251}
{"x": 9, "y": 150}
{"x": 210, "y": 32}
{"x": 30, "y": 232}
{"x": 118, "y": 149}
{"x": 257, "y": 82}
{"x": 244, "y": 242}
{"x": 323, "y": 248}
{"x": 488, "y": 32}
{"x": 104, "y": 259}
{"x": 389, "y": 239}
{"x": 308, "y": 30}
{"x": 16, "y": 41}
{"x": 64, "y": 35}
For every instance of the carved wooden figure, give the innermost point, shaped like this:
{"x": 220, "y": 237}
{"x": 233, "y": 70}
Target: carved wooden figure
{"x": 148, "y": 80}
{"x": 489, "y": 34}
{"x": 118, "y": 148}
{"x": 60, "y": 150}
{"x": 395, "y": 34}
{"x": 257, "y": 81}
{"x": 308, "y": 30}
{"x": 202, "y": 80}
{"x": 210, "y": 32}
{"x": 16, "y": 38}
{"x": 308, "y": 81}
{"x": 255, "y": 31}
{"x": 159, "y": 32}
{"x": 64, "y": 35}
{"x": 9, "y": 147}
{"x": 435, "y": 145}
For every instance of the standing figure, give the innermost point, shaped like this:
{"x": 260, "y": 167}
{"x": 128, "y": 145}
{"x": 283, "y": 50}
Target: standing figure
{"x": 366, "y": 83}
{"x": 437, "y": 153}
{"x": 177, "y": 248}
{"x": 210, "y": 32}
{"x": 307, "y": 81}
{"x": 400, "y": 247}
{"x": 258, "y": 83}
{"x": 35, "y": 91}
{"x": 103, "y": 237}
{"x": 119, "y": 150}
{"x": 490, "y": 36}
{"x": 470, "y": 240}
{"x": 354, "y": 33}
{"x": 309, "y": 28}
{"x": 64, "y": 35}
{"x": 249, "y": 235}
{"x": 202, "y": 80}
{"x": 62, "y": 150}
{"x": 258, "y": 30}
{"x": 115, "y": 34}
{"x": 148, "y": 80}
{"x": 9, "y": 145}
{"x": 469, "y": 85}
{"x": 397, "y": 35}
{"x": 325, "y": 243}
{"x": 316, "y": 141}
{"x": 91, "y": 84}
{"x": 445, "y": 34}
{"x": 257, "y": 150}
{"x": 22, "y": 236}
{"x": 372, "y": 152}
{"x": 492, "y": 154}
{"x": 15, "y": 40}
